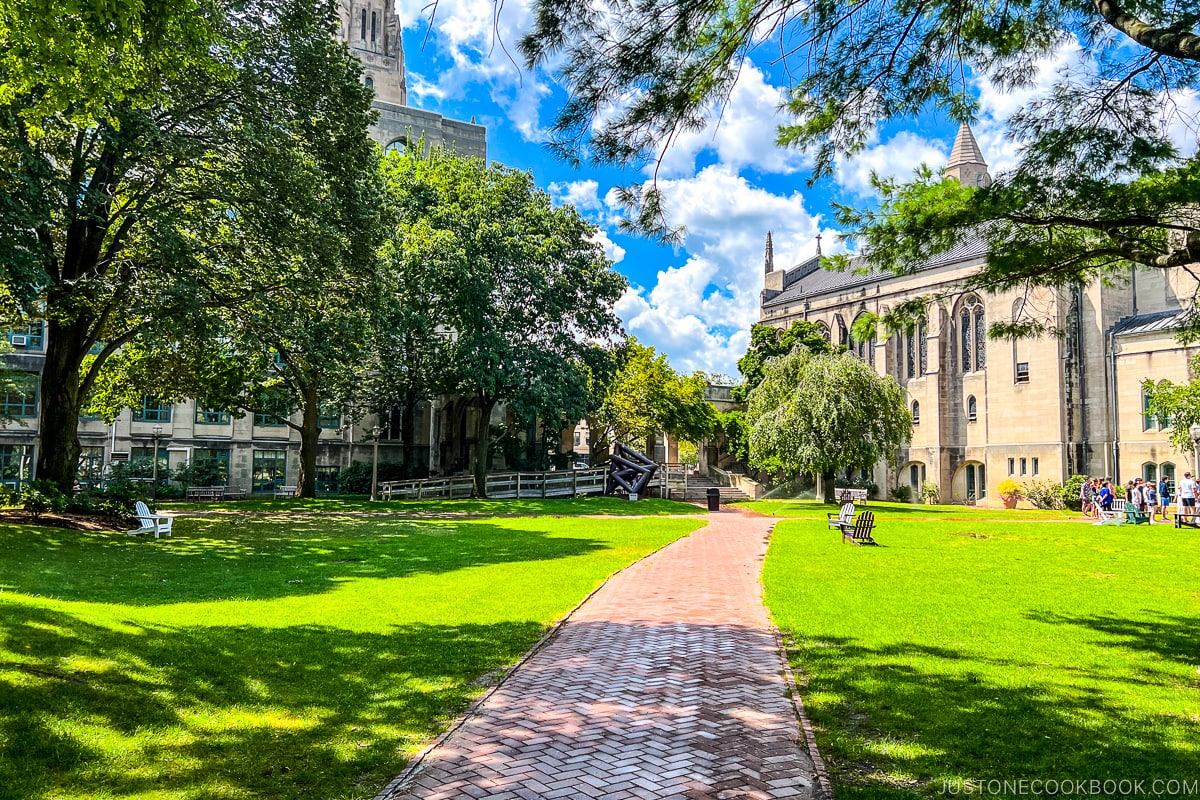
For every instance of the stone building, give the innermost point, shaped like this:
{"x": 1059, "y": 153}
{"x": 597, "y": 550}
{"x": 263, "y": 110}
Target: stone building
{"x": 259, "y": 451}
{"x": 985, "y": 410}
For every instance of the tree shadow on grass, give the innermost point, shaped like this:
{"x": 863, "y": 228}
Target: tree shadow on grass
{"x": 299, "y": 712}
{"x": 258, "y": 559}
{"x": 897, "y": 722}
{"x": 1172, "y": 638}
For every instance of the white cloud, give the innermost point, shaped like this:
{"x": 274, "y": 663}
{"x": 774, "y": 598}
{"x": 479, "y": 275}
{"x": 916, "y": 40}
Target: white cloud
{"x": 699, "y": 312}
{"x": 897, "y": 158}
{"x": 584, "y": 195}
{"x": 614, "y": 251}
{"x": 742, "y": 134}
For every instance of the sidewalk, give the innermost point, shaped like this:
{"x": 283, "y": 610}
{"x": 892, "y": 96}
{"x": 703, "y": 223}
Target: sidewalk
{"x": 666, "y": 684}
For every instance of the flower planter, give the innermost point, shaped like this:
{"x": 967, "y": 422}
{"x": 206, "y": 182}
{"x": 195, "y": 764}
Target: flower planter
{"x": 1010, "y": 501}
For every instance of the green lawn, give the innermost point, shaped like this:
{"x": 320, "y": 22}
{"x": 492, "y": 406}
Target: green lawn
{"x": 974, "y": 649}
{"x": 811, "y": 508}
{"x": 271, "y": 657}
{"x": 614, "y": 506}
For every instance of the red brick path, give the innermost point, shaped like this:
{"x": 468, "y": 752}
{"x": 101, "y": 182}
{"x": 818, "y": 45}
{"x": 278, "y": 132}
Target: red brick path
{"x": 666, "y": 684}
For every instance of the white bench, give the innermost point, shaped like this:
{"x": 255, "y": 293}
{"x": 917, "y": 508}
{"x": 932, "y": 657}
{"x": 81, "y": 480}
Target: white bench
{"x": 151, "y": 523}
{"x": 851, "y": 495}
{"x": 286, "y": 492}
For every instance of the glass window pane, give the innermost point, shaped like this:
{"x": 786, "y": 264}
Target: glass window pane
{"x": 965, "y": 335}
{"x": 910, "y": 355}
{"x": 980, "y": 340}
{"x": 270, "y": 470}
{"x": 923, "y": 349}
{"x": 22, "y": 402}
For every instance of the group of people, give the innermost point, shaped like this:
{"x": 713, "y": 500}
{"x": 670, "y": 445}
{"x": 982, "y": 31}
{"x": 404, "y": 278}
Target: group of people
{"x": 1097, "y": 495}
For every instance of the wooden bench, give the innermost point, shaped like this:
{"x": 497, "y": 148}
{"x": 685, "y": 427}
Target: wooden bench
{"x": 1122, "y": 514}
{"x": 205, "y": 492}
{"x": 233, "y": 493}
{"x": 844, "y": 519}
{"x": 286, "y": 492}
{"x": 851, "y": 495}
{"x": 860, "y": 532}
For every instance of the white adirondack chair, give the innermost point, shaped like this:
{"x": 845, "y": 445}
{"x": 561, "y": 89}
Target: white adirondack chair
{"x": 158, "y": 524}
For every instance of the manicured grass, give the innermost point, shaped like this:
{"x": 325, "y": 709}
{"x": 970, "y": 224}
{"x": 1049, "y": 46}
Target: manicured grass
{"x": 979, "y": 650}
{"x": 271, "y": 658}
{"x": 811, "y": 508}
{"x": 615, "y": 506}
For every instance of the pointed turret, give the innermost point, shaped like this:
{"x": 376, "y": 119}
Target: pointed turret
{"x": 769, "y": 260}
{"x": 966, "y": 160}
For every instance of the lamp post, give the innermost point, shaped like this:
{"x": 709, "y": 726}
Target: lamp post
{"x": 156, "y": 434}
{"x": 375, "y": 431}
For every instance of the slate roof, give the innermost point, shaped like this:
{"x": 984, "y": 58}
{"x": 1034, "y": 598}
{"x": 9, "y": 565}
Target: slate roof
{"x": 966, "y": 149}
{"x": 807, "y": 279}
{"x": 1152, "y": 323}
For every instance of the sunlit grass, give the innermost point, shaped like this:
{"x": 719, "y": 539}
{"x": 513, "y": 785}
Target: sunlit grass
{"x": 811, "y": 508}
{"x": 980, "y": 649}
{"x": 271, "y": 658}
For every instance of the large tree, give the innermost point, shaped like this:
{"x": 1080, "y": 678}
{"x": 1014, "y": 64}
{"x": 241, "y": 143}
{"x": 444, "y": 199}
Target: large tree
{"x": 154, "y": 168}
{"x": 648, "y": 397}
{"x": 1099, "y": 184}
{"x": 821, "y": 413}
{"x": 522, "y": 288}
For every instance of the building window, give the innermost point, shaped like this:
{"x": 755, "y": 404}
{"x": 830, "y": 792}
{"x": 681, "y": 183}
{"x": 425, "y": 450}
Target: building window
{"x": 916, "y": 413}
{"x": 270, "y": 470}
{"x": 922, "y": 350}
{"x": 1150, "y": 472}
{"x": 1024, "y": 467}
{"x": 843, "y": 333}
{"x": 1012, "y": 466}
{"x": 972, "y": 409}
{"x": 206, "y": 417}
{"x": 91, "y": 466}
{"x": 329, "y": 417}
{"x": 363, "y": 32}
{"x": 973, "y": 335}
{"x": 22, "y": 401}
{"x": 1167, "y": 469}
{"x": 910, "y": 354}
{"x": 370, "y": 83}
{"x": 576, "y": 439}
{"x": 327, "y": 478}
{"x": 152, "y": 410}
{"x": 141, "y": 463}
{"x": 1149, "y": 421}
{"x": 210, "y": 466}
{"x": 374, "y": 25}
{"x": 971, "y": 482}
{"x": 1035, "y": 465}
{"x": 16, "y": 464}
{"x": 825, "y": 332}
{"x": 275, "y": 412}
{"x": 1022, "y": 372}
{"x": 982, "y": 482}
{"x": 27, "y": 337}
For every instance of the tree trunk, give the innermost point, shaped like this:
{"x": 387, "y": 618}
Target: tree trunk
{"x": 827, "y": 491}
{"x": 408, "y": 432}
{"x": 482, "y": 437}
{"x": 310, "y": 434}
{"x": 61, "y": 400}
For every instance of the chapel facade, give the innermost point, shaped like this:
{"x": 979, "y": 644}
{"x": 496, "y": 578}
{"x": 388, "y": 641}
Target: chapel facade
{"x": 985, "y": 410}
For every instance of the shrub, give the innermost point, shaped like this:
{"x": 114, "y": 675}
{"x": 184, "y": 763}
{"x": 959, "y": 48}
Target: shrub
{"x": 356, "y": 478}
{"x": 1044, "y": 494}
{"x": 901, "y": 494}
{"x": 1070, "y": 492}
{"x": 100, "y": 504}
{"x": 38, "y": 497}
{"x": 1010, "y": 488}
{"x": 929, "y": 492}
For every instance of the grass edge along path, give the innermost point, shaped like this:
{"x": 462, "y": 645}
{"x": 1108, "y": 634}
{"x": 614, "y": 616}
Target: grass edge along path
{"x": 990, "y": 650}
{"x": 475, "y": 507}
{"x": 275, "y": 657}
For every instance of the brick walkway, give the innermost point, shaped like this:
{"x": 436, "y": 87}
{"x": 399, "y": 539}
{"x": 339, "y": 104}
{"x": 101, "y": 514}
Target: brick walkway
{"x": 666, "y": 684}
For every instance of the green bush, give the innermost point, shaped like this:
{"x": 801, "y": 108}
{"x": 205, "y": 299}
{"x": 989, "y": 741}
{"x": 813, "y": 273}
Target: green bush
{"x": 356, "y": 478}
{"x": 901, "y": 494}
{"x": 38, "y": 497}
{"x": 930, "y": 493}
{"x": 1044, "y": 494}
{"x": 101, "y": 504}
{"x": 1070, "y": 492}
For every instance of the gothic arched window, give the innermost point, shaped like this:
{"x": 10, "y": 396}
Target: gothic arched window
{"x": 972, "y": 409}
{"x": 374, "y": 25}
{"x": 922, "y": 350}
{"x": 916, "y": 413}
{"x": 362, "y": 34}
{"x": 972, "y": 335}
{"x": 910, "y": 354}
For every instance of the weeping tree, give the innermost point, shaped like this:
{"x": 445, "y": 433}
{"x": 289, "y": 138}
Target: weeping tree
{"x": 821, "y": 413}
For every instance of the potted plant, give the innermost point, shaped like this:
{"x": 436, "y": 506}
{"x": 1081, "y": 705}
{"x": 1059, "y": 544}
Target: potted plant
{"x": 1010, "y": 492}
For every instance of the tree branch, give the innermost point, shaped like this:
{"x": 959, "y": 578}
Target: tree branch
{"x": 1168, "y": 41}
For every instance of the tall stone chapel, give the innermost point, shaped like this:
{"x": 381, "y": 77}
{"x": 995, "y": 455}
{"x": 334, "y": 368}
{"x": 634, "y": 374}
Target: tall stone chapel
{"x": 985, "y": 410}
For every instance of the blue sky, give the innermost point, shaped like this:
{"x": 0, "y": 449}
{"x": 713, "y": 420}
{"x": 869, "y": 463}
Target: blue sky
{"x": 728, "y": 185}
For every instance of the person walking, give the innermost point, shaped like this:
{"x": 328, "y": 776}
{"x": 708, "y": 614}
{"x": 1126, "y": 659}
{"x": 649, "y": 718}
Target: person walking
{"x": 1087, "y": 495}
{"x": 1187, "y": 501}
{"x": 1150, "y": 492}
{"x": 1106, "y": 496}
{"x": 1164, "y": 497}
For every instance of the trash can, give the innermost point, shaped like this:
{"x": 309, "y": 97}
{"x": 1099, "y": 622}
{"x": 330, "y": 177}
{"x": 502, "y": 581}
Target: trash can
{"x": 714, "y": 499}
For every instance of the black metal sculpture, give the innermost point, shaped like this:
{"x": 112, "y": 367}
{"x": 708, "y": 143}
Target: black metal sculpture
{"x": 629, "y": 470}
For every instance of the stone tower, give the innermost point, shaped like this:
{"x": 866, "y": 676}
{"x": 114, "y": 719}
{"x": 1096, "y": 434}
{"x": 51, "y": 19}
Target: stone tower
{"x": 966, "y": 160}
{"x": 371, "y": 29}
{"x": 769, "y": 259}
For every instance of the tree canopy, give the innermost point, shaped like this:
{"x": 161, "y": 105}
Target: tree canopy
{"x": 1099, "y": 184}
{"x": 821, "y": 413}
{"x": 1176, "y": 405}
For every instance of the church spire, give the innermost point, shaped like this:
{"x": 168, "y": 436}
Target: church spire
{"x": 769, "y": 261}
{"x": 967, "y": 164}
